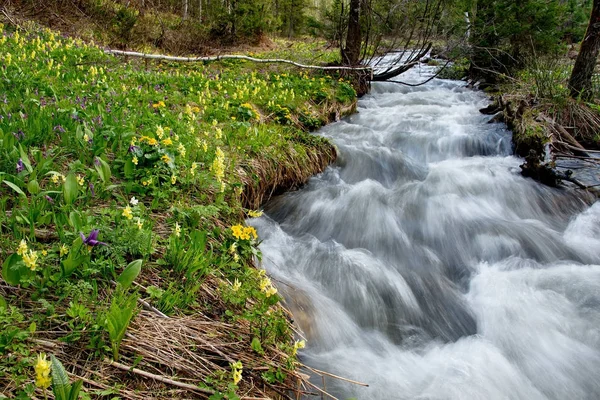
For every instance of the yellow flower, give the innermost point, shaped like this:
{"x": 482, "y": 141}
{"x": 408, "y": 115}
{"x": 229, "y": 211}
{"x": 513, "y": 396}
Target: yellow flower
{"x": 160, "y": 131}
{"x": 236, "y": 369}
{"x": 86, "y": 138}
{"x": 181, "y": 149}
{"x": 237, "y": 231}
{"x": 22, "y": 249}
{"x": 173, "y": 179}
{"x": 44, "y": 253}
{"x": 193, "y": 168}
{"x": 219, "y": 132}
{"x": 30, "y": 259}
{"x": 218, "y": 165}
{"x": 166, "y": 158}
{"x": 80, "y": 180}
{"x": 177, "y": 229}
{"x": 139, "y": 223}
{"x": 264, "y": 283}
{"x": 236, "y": 285}
{"x": 64, "y": 250}
{"x": 254, "y": 214}
{"x": 271, "y": 291}
{"x": 167, "y": 142}
{"x": 134, "y": 160}
{"x": 298, "y": 344}
{"x": 237, "y": 376}
{"x": 152, "y": 142}
{"x": 127, "y": 213}
{"x": 42, "y": 371}
{"x": 250, "y": 231}
{"x": 55, "y": 178}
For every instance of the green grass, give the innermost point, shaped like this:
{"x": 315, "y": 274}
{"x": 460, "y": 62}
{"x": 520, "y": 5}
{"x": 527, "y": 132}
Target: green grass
{"x": 160, "y": 159}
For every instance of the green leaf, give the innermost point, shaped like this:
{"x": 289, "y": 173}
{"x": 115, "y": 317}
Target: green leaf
{"x": 128, "y": 169}
{"x": 130, "y": 273}
{"x": 3, "y": 303}
{"x": 11, "y": 270}
{"x": 60, "y": 380}
{"x": 70, "y": 189}
{"x": 103, "y": 170}
{"x": 75, "y": 388}
{"x": 75, "y": 220}
{"x": 15, "y": 188}
{"x": 118, "y": 318}
{"x": 75, "y": 258}
{"x": 256, "y": 346}
{"x": 25, "y": 159}
{"x": 33, "y": 187}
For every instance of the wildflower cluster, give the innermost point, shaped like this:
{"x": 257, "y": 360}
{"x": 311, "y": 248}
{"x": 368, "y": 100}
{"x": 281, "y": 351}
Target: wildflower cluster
{"x": 236, "y": 372}
{"x": 244, "y": 232}
{"x": 29, "y": 256}
{"x": 267, "y": 286}
{"x": 79, "y": 132}
{"x": 42, "y": 372}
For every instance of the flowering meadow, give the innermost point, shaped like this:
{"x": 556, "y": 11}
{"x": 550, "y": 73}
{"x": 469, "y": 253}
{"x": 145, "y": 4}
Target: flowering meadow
{"x": 127, "y": 267}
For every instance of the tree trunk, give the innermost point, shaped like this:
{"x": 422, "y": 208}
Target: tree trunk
{"x": 580, "y": 82}
{"x": 185, "y": 9}
{"x": 351, "y": 53}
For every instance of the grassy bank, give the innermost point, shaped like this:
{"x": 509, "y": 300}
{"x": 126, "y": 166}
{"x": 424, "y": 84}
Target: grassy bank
{"x": 123, "y": 191}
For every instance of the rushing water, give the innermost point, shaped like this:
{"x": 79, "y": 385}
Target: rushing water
{"x": 424, "y": 265}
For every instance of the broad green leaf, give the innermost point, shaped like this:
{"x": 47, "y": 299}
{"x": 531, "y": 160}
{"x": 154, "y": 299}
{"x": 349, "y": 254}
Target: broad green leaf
{"x": 130, "y": 273}
{"x": 25, "y": 159}
{"x": 118, "y": 318}
{"x": 75, "y": 258}
{"x": 75, "y": 220}
{"x": 33, "y": 187}
{"x": 70, "y": 189}
{"x": 128, "y": 168}
{"x": 60, "y": 380}
{"x": 11, "y": 270}
{"x": 3, "y": 303}
{"x": 15, "y": 188}
{"x": 103, "y": 170}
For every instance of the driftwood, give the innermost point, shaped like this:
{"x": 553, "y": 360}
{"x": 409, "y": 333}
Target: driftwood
{"x": 159, "y": 378}
{"x": 566, "y": 136}
{"x": 232, "y": 57}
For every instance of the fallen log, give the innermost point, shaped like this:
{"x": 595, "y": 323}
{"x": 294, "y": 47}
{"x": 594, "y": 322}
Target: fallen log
{"x": 163, "y": 57}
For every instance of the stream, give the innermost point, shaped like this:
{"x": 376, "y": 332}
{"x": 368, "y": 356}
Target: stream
{"x": 424, "y": 265}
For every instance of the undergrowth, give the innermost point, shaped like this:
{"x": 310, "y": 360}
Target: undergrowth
{"x": 123, "y": 193}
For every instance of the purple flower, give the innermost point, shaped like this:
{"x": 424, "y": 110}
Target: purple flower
{"x": 59, "y": 128}
{"x": 92, "y": 189}
{"x": 92, "y": 239}
{"x": 20, "y": 166}
{"x": 50, "y": 199}
{"x": 20, "y": 135}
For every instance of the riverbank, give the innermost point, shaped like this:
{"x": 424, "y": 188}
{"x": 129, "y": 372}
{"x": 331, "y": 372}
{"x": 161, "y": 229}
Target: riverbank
{"x": 125, "y": 186}
{"x": 558, "y": 141}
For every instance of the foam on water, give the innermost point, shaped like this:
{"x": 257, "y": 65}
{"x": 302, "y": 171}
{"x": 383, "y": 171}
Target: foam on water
{"x": 423, "y": 264}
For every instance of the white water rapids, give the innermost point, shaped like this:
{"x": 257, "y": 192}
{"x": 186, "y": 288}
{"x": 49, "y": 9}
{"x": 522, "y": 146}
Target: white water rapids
{"x": 424, "y": 265}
